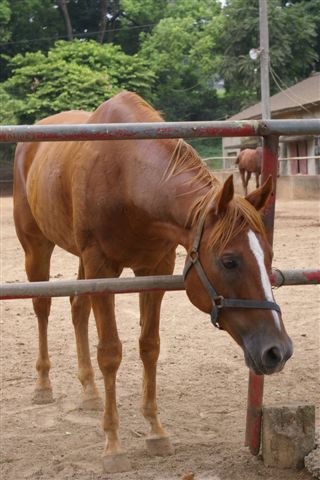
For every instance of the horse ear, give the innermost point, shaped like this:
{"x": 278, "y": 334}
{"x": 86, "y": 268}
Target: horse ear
{"x": 224, "y": 196}
{"x": 259, "y": 197}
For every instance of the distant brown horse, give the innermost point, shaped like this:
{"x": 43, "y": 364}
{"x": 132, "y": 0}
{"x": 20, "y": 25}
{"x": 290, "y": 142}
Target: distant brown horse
{"x": 129, "y": 203}
{"x": 249, "y": 161}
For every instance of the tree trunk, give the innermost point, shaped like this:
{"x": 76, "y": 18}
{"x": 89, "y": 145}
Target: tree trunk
{"x": 113, "y": 8}
{"x": 103, "y": 20}
{"x": 66, "y": 17}
{"x": 112, "y": 24}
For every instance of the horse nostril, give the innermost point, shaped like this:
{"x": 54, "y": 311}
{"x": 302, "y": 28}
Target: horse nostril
{"x": 271, "y": 357}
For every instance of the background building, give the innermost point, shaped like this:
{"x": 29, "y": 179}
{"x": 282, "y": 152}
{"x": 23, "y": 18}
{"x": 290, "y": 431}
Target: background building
{"x": 298, "y": 154}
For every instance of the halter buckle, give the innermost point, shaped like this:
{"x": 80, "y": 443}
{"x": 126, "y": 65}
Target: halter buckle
{"x": 219, "y": 300}
{"x": 194, "y": 256}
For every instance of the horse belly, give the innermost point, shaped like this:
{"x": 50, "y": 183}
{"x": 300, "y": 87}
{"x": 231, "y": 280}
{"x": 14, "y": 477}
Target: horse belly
{"x": 123, "y": 236}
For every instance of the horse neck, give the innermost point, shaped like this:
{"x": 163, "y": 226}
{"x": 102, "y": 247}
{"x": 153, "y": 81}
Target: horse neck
{"x": 186, "y": 190}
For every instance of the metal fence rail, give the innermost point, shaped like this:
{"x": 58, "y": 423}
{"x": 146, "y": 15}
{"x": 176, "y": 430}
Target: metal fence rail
{"x": 127, "y": 131}
{"x": 65, "y": 288}
{"x": 234, "y": 157}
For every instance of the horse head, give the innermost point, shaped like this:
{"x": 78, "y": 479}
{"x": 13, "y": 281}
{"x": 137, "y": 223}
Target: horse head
{"x": 227, "y": 274}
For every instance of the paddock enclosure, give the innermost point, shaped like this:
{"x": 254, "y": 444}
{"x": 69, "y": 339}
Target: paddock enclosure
{"x": 202, "y": 390}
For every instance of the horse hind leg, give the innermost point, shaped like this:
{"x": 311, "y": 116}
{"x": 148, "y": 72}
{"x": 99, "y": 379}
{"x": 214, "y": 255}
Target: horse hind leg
{"x": 158, "y": 442}
{"x": 257, "y": 174}
{"x": 37, "y": 264}
{"x": 248, "y": 176}
{"x": 243, "y": 180}
{"x": 80, "y": 309}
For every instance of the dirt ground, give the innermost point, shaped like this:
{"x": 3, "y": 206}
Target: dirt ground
{"x": 202, "y": 378}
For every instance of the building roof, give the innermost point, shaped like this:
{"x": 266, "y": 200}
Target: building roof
{"x": 298, "y": 97}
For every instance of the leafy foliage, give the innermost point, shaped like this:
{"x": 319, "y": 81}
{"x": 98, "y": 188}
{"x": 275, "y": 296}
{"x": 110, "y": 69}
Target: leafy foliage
{"x": 5, "y": 15}
{"x": 125, "y": 71}
{"x": 181, "y": 91}
{"x": 172, "y": 52}
{"x": 77, "y": 75}
{"x": 292, "y": 39}
{"x": 32, "y": 23}
{"x": 12, "y": 105}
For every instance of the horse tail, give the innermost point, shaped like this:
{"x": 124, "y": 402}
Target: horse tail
{"x": 238, "y": 159}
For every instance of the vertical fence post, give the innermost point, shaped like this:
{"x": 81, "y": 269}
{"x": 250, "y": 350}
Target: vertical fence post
{"x": 256, "y": 382}
{"x": 270, "y": 167}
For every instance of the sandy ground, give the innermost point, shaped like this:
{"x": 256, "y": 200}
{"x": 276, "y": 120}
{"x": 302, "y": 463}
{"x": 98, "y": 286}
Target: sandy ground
{"x": 202, "y": 377}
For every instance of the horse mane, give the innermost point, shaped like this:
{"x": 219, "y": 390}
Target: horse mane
{"x": 239, "y": 215}
{"x": 147, "y": 111}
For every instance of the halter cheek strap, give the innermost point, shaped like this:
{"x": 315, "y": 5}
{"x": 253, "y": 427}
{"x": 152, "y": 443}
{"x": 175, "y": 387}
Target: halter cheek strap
{"x": 218, "y": 301}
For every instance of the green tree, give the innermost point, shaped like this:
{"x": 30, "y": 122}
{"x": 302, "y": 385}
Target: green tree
{"x": 292, "y": 38}
{"x": 8, "y": 115}
{"x": 34, "y": 25}
{"x": 5, "y": 15}
{"x": 129, "y": 72}
{"x": 73, "y": 75}
{"x": 181, "y": 90}
{"x": 138, "y": 16}
{"x": 44, "y": 87}
{"x": 184, "y": 48}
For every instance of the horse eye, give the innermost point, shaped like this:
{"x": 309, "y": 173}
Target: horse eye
{"x": 229, "y": 263}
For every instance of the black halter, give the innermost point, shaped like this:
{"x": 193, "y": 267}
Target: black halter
{"x": 218, "y": 301}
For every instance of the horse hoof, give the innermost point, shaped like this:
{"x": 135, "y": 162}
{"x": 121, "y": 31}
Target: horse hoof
{"x": 92, "y": 404}
{"x": 160, "y": 446}
{"x": 41, "y": 397}
{"x": 115, "y": 463}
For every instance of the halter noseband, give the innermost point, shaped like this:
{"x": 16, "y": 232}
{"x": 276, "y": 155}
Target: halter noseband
{"x": 218, "y": 301}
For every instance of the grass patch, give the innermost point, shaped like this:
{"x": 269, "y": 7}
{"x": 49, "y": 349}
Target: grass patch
{"x": 208, "y": 148}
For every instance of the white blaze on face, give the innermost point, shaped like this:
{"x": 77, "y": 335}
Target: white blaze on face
{"x": 259, "y": 255}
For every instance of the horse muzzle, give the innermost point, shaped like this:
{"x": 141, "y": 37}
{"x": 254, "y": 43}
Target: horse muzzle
{"x": 267, "y": 359}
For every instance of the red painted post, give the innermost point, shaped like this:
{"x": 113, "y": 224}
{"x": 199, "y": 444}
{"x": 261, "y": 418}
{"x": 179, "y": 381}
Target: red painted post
{"x": 270, "y": 167}
{"x": 254, "y": 412}
{"x": 256, "y": 382}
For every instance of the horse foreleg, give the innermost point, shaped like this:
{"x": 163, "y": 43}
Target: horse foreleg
{"x": 109, "y": 358}
{"x": 158, "y": 442}
{"x": 80, "y": 308}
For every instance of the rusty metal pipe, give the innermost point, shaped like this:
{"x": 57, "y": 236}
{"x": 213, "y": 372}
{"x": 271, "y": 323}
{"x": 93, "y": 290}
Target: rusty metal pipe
{"x": 127, "y": 131}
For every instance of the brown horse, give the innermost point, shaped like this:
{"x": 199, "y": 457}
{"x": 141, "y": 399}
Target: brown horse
{"x": 118, "y": 204}
{"x": 249, "y": 161}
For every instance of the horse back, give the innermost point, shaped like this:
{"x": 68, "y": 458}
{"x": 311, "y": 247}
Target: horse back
{"x": 76, "y": 192}
{"x": 26, "y": 152}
